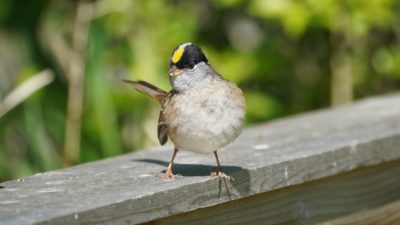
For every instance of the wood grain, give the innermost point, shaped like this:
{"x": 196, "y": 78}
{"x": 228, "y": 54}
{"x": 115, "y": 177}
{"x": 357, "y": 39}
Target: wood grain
{"x": 312, "y": 202}
{"x": 385, "y": 215}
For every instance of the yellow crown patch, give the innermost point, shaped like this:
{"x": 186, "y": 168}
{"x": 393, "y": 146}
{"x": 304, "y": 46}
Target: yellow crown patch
{"x": 177, "y": 55}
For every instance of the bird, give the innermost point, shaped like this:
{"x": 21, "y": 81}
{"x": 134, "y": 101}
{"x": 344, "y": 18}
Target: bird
{"x": 202, "y": 113}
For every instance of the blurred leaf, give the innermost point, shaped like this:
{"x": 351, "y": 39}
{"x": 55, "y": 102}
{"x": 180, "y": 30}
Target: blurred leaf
{"x": 261, "y": 107}
{"x": 99, "y": 96}
{"x": 231, "y": 65}
{"x": 227, "y": 3}
{"x": 387, "y": 62}
{"x": 4, "y": 9}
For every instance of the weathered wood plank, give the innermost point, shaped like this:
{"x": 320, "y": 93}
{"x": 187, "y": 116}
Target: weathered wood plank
{"x": 307, "y": 203}
{"x": 281, "y": 154}
{"x": 385, "y": 215}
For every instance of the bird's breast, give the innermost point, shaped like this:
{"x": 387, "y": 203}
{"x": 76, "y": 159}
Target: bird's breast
{"x": 207, "y": 118}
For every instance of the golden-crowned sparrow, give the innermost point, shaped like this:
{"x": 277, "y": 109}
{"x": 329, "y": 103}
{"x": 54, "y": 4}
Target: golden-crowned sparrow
{"x": 203, "y": 112}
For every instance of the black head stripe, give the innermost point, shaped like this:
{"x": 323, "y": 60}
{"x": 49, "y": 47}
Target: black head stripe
{"x": 191, "y": 55}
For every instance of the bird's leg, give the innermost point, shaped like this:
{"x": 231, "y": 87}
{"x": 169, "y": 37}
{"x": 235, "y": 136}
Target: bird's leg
{"x": 218, "y": 170}
{"x": 168, "y": 172}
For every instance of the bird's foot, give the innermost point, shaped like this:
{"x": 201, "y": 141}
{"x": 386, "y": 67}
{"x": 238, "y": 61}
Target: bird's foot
{"x": 218, "y": 173}
{"x": 168, "y": 175}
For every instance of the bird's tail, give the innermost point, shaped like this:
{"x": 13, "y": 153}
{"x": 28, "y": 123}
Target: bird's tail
{"x": 148, "y": 89}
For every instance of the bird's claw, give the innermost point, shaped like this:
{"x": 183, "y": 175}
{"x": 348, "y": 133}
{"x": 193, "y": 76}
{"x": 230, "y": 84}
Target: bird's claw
{"x": 168, "y": 175}
{"x": 220, "y": 174}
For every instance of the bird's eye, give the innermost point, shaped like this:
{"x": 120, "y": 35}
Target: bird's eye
{"x": 192, "y": 66}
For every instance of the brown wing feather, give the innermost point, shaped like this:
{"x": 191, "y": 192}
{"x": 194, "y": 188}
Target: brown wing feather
{"x": 148, "y": 89}
{"x": 162, "y": 129}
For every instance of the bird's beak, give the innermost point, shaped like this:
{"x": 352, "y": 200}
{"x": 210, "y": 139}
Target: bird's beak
{"x": 174, "y": 71}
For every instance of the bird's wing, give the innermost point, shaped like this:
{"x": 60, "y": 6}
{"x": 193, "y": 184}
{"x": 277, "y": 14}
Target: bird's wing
{"x": 162, "y": 129}
{"x": 161, "y": 96}
{"x": 148, "y": 89}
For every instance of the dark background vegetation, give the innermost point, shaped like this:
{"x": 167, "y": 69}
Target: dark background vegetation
{"x": 62, "y": 61}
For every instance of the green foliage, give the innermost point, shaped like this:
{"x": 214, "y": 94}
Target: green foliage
{"x": 354, "y": 16}
{"x": 288, "y": 56}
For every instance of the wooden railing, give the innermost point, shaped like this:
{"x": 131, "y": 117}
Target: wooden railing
{"x": 334, "y": 166}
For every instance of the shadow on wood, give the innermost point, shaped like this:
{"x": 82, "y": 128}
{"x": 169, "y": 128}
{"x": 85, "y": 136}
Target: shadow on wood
{"x": 192, "y": 169}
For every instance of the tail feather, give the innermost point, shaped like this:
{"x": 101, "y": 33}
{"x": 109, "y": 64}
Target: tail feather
{"x": 148, "y": 89}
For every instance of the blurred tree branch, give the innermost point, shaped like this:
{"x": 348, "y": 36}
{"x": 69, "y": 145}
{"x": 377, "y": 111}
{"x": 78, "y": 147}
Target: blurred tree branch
{"x": 341, "y": 70}
{"x": 26, "y": 89}
{"x": 71, "y": 58}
